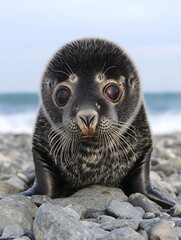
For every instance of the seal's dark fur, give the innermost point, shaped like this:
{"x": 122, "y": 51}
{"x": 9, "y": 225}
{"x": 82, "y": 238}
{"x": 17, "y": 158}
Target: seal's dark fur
{"x": 121, "y": 159}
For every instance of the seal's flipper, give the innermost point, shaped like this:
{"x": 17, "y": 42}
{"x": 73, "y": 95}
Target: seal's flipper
{"x": 47, "y": 180}
{"x": 139, "y": 181}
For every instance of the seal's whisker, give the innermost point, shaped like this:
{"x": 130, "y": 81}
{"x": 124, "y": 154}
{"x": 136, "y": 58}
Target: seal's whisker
{"x": 70, "y": 69}
{"x": 130, "y": 145}
{"x": 126, "y": 124}
{"x": 57, "y": 146}
{"x": 61, "y": 150}
{"x": 65, "y": 153}
{"x": 59, "y": 71}
{"x": 114, "y": 147}
{"x": 127, "y": 132}
{"x": 68, "y": 148}
{"x": 55, "y": 129}
{"x": 57, "y": 152}
{"x": 126, "y": 128}
{"x": 54, "y": 147}
{"x": 116, "y": 140}
{"x": 123, "y": 124}
{"x": 108, "y": 69}
{"x": 126, "y": 141}
{"x": 51, "y": 138}
{"x": 102, "y": 69}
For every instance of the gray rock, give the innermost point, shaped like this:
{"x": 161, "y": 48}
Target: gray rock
{"x": 18, "y": 183}
{"x": 21, "y": 201}
{"x": 90, "y": 220}
{"x": 28, "y": 175}
{"x": 77, "y": 208}
{"x": 22, "y": 238}
{"x": 144, "y": 234}
{"x": 154, "y": 161}
{"x": 90, "y": 224}
{"x": 40, "y": 199}
{"x": 105, "y": 218}
{"x": 168, "y": 169}
{"x": 149, "y": 215}
{"x": 141, "y": 210}
{"x": 2, "y": 194}
{"x": 177, "y": 187}
{"x": 8, "y": 188}
{"x": 105, "y": 192}
{"x": 92, "y": 198}
{"x": 172, "y": 223}
{"x": 147, "y": 224}
{"x": 93, "y": 214}
{"x": 120, "y": 223}
{"x": 123, "y": 210}
{"x": 123, "y": 234}
{"x": 163, "y": 186}
{"x": 98, "y": 233}
{"x": 12, "y": 231}
{"x": 163, "y": 231}
{"x": 12, "y": 185}
{"x": 177, "y": 151}
{"x": 166, "y": 153}
{"x": 15, "y": 212}
{"x": 140, "y": 200}
{"x": 168, "y": 143}
{"x": 175, "y": 211}
{"x": 177, "y": 223}
{"x": 29, "y": 234}
{"x": 71, "y": 212}
{"x": 178, "y": 198}
{"x": 54, "y": 222}
{"x": 165, "y": 216}
{"x": 178, "y": 232}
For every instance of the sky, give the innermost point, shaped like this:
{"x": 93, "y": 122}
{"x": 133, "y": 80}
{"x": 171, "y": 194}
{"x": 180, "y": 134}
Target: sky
{"x": 31, "y": 31}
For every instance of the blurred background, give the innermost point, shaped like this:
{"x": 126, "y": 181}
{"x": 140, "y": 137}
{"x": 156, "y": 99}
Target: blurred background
{"x": 31, "y": 31}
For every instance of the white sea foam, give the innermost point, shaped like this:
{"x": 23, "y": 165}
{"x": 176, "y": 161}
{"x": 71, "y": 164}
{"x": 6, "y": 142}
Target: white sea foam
{"x": 164, "y": 123}
{"x": 17, "y": 123}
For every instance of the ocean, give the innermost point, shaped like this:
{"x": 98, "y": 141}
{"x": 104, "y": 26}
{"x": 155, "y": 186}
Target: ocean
{"x": 18, "y": 112}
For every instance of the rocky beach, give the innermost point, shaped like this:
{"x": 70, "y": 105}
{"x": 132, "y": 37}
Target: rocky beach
{"x": 93, "y": 213}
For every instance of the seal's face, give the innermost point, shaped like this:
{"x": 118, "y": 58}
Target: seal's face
{"x": 94, "y": 90}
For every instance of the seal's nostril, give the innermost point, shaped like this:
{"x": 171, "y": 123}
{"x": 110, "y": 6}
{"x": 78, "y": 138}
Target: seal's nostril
{"x": 87, "y": 119}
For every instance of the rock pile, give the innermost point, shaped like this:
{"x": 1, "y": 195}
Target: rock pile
{"x": 92, "y": 213}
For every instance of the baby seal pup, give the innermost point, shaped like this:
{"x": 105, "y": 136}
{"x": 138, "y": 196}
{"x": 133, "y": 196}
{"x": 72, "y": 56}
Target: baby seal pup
{"x": 92, "y": 127}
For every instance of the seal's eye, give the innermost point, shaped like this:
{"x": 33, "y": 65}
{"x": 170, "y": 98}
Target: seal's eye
{"x": 62, "y": 96}
{"x": 112, "y": 92}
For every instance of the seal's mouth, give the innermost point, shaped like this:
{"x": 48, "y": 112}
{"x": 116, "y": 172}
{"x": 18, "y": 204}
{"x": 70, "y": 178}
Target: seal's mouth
{"x": 85, "y": 137}
{"x": 88, "y": 134}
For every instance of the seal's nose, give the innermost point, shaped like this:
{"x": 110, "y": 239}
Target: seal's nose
{"x": 87, "y": 119}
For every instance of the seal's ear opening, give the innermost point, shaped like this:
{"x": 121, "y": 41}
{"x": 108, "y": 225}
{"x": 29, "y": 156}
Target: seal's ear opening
{"x": 132, "y": 80}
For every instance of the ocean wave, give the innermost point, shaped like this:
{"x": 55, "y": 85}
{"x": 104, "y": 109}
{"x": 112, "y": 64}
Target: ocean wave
{"x": 165, "y": 123}
{"x": 18, "y": 123}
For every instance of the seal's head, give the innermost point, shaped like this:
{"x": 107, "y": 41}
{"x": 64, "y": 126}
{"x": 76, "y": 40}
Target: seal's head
{"x": 90, "y": 90}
